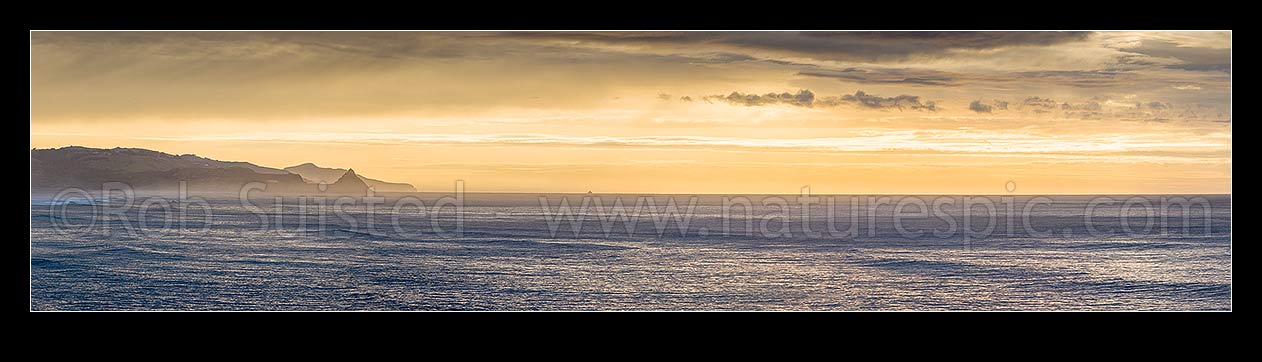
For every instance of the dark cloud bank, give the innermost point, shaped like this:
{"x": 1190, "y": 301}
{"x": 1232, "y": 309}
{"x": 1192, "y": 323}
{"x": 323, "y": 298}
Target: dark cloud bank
{"x": 806, "y": 98}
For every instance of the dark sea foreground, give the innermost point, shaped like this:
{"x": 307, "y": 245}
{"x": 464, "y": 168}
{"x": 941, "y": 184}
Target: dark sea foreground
{"x": 1069, "y": 253}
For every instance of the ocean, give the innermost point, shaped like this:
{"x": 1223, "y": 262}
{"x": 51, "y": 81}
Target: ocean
{"x": 432, "y": 251}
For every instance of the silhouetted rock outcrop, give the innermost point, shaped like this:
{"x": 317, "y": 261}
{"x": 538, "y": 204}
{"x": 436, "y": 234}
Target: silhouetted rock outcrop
{"x": 349, "y": 183}
{"x": 316, "y": 174}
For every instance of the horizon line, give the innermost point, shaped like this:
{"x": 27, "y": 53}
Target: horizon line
{"x": 620, "y": 193}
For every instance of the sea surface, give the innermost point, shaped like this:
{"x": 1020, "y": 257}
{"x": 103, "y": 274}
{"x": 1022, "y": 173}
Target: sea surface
{"x": 510, "y": 252}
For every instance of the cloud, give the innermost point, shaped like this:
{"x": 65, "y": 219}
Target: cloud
{"x": 720, "y": 58}
{"x": 1078, "y": 78}
{"x": 1120, "y": 108}
{"x": 886, "y": 76}
{"x": 806, "y": 98}
{"x": 101, "y": 76}
{"x": 1191, "y": 58}
{"x": 878, "y": 46}
{"x": 977, "y": 106}
{"x": 266, "y": 45}
{"x": 1135, "y": 59}
{"x": 1087, "y": 106}
{"x": 664, "y": 96}
{"x": 962, "y": 39}
{"x": 803, "y": 98}
{"x": 845, "y": 46}
{"x": 900, "y": 102}
{"x": 1112, "y": 77}
{"x": 1225, "y": 68}
{"x": 981, "y": 106}
{"x": 1039, "y": 102}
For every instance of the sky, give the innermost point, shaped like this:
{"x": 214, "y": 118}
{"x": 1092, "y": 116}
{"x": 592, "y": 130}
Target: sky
{"x": 663, "y": 112}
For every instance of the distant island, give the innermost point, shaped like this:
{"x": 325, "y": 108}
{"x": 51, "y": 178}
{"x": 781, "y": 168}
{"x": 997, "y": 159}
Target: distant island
{"x": 143, "y": 169}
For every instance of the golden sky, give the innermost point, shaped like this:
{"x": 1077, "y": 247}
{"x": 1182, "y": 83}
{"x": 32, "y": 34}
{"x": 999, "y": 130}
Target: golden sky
{"x": 662, "y": 112}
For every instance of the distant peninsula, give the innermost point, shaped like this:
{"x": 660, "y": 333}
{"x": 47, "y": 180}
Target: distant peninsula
{"x": 142, "y": 169}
